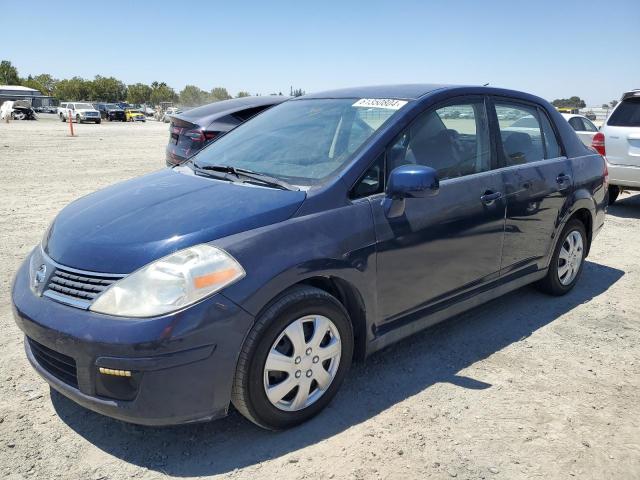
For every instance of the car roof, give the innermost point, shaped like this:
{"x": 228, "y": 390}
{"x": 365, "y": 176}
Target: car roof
{"x": 406, "y": 91}
{"x": 213, "y": 111}
{"x": 631, "y": 93}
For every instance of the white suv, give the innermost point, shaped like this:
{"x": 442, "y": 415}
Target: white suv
{"x": 80, "y": 112}
{"x": 619, "y": 142}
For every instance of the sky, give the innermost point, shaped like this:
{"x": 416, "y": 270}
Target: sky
{"x": 554, "y": 49}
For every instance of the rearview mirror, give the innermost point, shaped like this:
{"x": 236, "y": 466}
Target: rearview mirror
{"x": 409, "y": 181}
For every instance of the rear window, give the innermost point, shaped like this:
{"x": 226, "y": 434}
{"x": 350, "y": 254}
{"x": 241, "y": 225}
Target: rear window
{"x": 627, "y": 114}
{"x": 244, "y": 115}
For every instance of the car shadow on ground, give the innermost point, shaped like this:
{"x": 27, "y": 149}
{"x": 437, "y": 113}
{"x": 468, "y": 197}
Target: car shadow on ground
{"x": 388, "y": 377}
{"x": 626, "y": 207}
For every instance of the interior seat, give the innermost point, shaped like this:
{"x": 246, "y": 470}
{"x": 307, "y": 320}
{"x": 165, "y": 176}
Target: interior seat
{"x": 518, "y": 147}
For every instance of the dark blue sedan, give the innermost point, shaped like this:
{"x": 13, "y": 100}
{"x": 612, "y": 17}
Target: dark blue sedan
{"x": 320, "y": 231}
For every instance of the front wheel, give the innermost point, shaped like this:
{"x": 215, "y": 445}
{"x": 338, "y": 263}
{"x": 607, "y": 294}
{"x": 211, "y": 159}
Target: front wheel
{"x": 78, "y": 119}
{"x": 614, "y": 191}
{"x": 567, "y": 261}
{"x": 294, "y": 359}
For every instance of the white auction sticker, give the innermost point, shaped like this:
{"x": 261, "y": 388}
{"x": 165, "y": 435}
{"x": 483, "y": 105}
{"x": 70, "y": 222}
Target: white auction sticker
{"x": 388, "y": 103}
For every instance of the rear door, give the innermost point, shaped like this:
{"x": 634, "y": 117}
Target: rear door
{"x": 538, "y": 181}
{"x": 622, "y": 134}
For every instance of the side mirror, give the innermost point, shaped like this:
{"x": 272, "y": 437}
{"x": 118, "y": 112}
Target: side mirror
{"x": 409, "y": 181}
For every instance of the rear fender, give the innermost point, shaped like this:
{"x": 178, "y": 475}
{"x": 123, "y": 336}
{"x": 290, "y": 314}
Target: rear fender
{"x": 581, "y": 199}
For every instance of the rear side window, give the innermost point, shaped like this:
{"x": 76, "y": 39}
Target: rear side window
{"x": 244, "y": 115}
{"x": 521, "y": 144}
{"x": 588, "y": 126}
{"x": 627, "y": 114}
{"x": 552, "y": 147}
{"x": 576, "y": 123}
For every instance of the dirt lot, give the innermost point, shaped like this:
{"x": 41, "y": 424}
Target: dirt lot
{"x": 526, "y": 386}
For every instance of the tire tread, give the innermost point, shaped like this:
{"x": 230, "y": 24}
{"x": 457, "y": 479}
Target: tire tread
{"x": 550, "y": 283}
{"x": 297, "y": 294}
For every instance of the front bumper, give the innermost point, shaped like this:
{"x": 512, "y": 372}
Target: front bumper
{"x": 182, "y": 364}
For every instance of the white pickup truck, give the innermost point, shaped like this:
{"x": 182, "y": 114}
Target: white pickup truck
{"x": 79, "y": 112}
{"x": 619, "y": 142}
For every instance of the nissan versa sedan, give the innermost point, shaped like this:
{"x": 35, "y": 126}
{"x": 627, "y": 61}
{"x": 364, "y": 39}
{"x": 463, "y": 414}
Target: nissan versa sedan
{"x": 320, "y": 231}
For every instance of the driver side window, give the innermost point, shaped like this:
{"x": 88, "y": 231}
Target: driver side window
{"x": 453, "y": 139}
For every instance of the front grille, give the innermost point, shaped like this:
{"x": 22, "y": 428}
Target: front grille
{"x": 78, "y": 289}
{"x": 57, "y": 364}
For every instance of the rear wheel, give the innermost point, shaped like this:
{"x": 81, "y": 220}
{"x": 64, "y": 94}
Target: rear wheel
{"x": 614, "y": 191}
{"x": 61, "y": 118}
{"x": 567, "y": 261}
{"x": 294, "y": 359}
{"x": 78, "y": 119}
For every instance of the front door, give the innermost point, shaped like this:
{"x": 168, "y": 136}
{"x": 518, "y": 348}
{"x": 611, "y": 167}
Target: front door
{"x": 450, "y": 243}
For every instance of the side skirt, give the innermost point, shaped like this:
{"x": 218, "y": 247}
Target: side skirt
{"x": 430, "y": 317}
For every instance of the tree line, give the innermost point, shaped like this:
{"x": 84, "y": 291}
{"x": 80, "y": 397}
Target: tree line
{"x": 577, "y": 102}
{"x": 110, "y": 89}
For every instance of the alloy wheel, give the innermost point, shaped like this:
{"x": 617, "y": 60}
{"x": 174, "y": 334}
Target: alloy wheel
{"x": 570, "y": 257}
{"x": 302, "y": 363}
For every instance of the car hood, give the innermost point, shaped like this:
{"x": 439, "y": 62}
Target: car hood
{"x": 125, "y": 226}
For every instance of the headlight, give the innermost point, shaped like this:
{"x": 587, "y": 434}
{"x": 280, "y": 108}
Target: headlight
{"x": 171, "y": 283}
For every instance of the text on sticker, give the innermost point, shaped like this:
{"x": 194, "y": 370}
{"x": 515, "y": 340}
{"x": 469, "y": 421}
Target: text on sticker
{"x": 388, "y": 103}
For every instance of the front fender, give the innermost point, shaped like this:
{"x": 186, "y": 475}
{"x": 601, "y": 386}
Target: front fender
{"x": 338, "y": 243}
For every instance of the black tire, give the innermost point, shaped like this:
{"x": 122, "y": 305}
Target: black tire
{"x": 614, "y": 191}
{"x": 551, "y": 284}
{"x": 78, "y": 119}
{"x": 62, "y": 118}
{"x": 248, "y": 395}
{"x": 98, "y": 122}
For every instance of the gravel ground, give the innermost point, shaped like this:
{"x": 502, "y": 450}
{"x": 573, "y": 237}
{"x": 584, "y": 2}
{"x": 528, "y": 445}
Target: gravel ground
{"x": 525, "y": 386}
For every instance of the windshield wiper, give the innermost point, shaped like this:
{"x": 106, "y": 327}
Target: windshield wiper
{"x": 249, "y": 175}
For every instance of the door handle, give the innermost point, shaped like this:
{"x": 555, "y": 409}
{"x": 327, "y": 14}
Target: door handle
{"x": 489, "y": 197}
{"x": 563, "y": 180}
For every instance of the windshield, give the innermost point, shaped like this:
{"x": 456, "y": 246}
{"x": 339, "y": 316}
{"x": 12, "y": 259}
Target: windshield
{"x": 84, "y": 106}
{"x": 301, "y": 141}
{"x": 112, "y": 106}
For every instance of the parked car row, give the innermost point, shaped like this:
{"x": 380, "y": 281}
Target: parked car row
{"x": 87, "y": 112}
